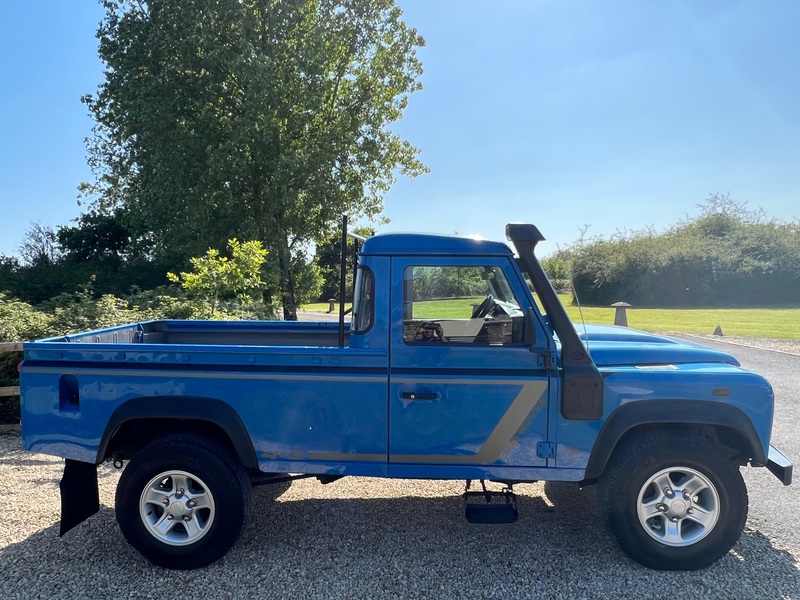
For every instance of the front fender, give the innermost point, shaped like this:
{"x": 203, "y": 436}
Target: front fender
{"x": 670, "y": 412}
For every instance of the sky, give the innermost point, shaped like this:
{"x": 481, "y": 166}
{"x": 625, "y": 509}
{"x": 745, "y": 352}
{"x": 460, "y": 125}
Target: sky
{"x": 586, "y": 117}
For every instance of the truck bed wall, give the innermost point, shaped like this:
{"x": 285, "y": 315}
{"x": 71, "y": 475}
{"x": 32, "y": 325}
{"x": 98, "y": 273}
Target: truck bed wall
{"x": 218, "y": 333}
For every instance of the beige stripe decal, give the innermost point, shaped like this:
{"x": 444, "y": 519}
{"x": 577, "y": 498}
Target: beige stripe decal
{"x": 346, "y": 456}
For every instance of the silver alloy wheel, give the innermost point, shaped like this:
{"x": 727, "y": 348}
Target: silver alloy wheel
{"x": 678, "y": 506}
{"x": 177, "y": 508}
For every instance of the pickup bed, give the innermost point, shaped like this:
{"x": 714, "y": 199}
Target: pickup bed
{"x": 454, "y": 366}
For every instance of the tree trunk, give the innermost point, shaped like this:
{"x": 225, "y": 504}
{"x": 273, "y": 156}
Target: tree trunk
{"x": 287, "y": 279}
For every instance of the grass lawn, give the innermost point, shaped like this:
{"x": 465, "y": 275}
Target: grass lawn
{"x": 746, "y": 322}
{"x": 322, "y": 307}
{"x": 777, "y": 323}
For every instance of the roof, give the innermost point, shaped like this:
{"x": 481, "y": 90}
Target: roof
{"x": 409, "y": 244}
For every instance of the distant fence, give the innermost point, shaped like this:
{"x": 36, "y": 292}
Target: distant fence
{"x": 6, "y": 392}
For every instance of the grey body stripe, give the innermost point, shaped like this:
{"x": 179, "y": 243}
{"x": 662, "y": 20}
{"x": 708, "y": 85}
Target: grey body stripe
{"x": 346, "y": 456}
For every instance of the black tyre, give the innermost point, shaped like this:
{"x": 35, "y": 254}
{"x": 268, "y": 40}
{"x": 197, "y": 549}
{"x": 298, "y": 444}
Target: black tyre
{"x": 674, "y": 501}
{"x": 183, "y": 501}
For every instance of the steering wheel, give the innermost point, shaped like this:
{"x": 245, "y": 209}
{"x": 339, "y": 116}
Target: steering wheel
{"x": 484, "y": 308}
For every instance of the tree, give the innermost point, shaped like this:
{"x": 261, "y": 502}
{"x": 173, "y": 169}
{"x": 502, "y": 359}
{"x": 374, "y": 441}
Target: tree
{"x": 329, "y": 258}
{"x": 100, "y": 237}
{"x": 9, "y": 268}
{"x": 213, "y": 274}
{"x": 40, "y": 247}
{"x": 264, "y": 119}
{"x": 557, "y": 267}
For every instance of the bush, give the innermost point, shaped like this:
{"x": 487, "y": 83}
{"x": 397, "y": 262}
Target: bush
{"x": 727, "y": 256}
{"x": 80, "y": 311}
{"x": 20, "y": 321}
{"x": 9, "y": 376}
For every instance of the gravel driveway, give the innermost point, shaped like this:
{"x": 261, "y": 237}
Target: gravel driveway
{"x": 371, "y": 538}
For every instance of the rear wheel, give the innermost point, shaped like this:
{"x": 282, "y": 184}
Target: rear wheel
{"x": 674, "y": 501}
{"x": 182, "y": 501}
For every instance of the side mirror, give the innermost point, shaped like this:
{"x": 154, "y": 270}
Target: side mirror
{"x": 530, "y": 328}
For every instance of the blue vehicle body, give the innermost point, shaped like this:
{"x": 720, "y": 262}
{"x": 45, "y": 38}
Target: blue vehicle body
{"x": 511, "y": 395}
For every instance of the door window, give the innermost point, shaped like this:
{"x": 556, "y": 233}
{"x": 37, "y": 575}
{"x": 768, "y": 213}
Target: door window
{"x": 473, "y": 306}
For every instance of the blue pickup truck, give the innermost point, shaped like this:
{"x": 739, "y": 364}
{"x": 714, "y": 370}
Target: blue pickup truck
{"x": 493, "y": 385}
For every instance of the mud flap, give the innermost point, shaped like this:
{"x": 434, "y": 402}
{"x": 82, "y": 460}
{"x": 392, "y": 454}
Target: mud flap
{"x": 80, "y": 495}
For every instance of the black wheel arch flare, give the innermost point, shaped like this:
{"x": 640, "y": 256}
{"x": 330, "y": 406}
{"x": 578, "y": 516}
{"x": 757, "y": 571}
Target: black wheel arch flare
{"x": 182, "y": 408}
{"x": 649, "y": 413}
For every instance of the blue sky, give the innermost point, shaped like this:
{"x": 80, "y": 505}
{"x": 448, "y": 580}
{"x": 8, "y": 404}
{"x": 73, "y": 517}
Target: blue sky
{"x": 616, "y": 115}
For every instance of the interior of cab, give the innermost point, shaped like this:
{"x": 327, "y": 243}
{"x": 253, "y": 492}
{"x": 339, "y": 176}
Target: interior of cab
{"x": 460, "y": 305}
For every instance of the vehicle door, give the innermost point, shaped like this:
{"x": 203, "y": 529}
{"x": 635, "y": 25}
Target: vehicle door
{"x": 465, "y": 389}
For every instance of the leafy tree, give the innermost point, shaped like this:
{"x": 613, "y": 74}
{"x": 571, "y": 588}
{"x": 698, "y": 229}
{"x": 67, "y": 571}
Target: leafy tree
{"x": 431, "y": 283}
{"x": 98, "y": 247}
{"x": 262, "y": 119}
{"x": 328, "y": 258}
{"x": 214, "y": 275}
{"x": 98, "y": 237}
{"x": 308, "y": 278}
{"x": 557, "y": 267}
{"x": 9, "y": 267}
{"x": 40, "y": 246}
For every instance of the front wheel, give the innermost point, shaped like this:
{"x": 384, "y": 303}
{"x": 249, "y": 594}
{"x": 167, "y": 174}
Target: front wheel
{"x": 674, "y": 502}
{"x": 182, "y": 501}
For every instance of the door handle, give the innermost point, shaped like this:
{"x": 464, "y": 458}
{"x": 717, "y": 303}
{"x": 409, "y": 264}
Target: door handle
{"x": 416, "y": 396}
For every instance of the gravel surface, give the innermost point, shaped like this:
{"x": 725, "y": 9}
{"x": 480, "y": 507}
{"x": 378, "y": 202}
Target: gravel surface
{"x": 785, "y": 346}
{"x": 373, "y": 538}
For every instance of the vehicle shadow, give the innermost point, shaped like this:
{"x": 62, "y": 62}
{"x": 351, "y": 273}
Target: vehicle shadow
{"x": 309, "y": 541}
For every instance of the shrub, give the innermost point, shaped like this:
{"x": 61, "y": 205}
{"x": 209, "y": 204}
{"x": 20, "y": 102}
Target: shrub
{"x": 727, "y": 256}
{"x": 80, "y": 311}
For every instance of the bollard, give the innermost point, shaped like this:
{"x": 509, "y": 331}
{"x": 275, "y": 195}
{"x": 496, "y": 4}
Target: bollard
{"x": 620, "y": 316}
{"x": 331, "y": 302}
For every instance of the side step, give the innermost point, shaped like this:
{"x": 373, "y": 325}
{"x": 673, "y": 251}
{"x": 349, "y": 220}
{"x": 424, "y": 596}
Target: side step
{"x": 489, "y": 506}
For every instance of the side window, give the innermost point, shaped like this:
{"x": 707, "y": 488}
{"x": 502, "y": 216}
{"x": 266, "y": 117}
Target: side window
{"x": 460, "y": 305}
{"x": 364, "y": 301}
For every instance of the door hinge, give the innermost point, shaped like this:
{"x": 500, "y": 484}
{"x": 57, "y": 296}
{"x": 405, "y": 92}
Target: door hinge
{"x": 544, "y": 360}
{"x": 546, "y": 450}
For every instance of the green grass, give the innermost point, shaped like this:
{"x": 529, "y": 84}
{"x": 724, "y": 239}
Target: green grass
{"x": 322, "y": 307}
{"x": 777, "y": 323}
{"x": 459, "y": 308}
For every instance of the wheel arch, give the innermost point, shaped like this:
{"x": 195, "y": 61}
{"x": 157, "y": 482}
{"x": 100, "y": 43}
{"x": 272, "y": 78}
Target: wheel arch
{"x": 730, "y": 426}
{"x": 140, "y": 421}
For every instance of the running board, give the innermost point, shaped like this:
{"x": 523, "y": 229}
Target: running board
{"x": 489, "y": 506}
